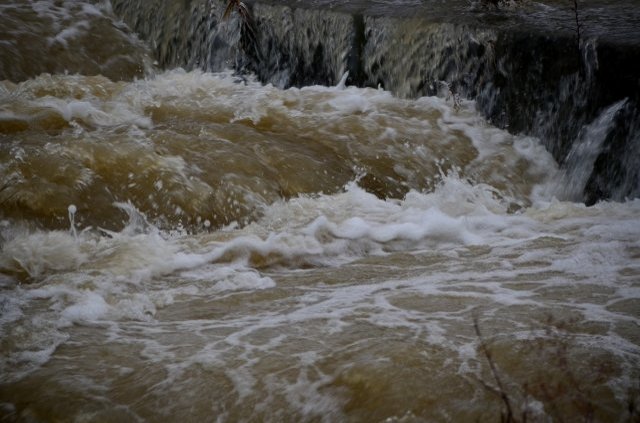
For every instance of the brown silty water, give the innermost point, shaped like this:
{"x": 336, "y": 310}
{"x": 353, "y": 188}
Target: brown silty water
{"x": 200, "y": 246}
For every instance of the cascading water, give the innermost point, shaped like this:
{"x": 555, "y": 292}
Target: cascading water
{"x": 584, "y": 152}
{"x": 521, "y": 81}
{"x": 320, "y": 218}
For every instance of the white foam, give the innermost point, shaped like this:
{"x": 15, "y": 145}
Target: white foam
{"x": 90, "y": 9}
{"x": 225, "y": 278}
{"x": 89, "y": 109}
{"x": 78, "y": 28}
{"x": 90, "y": 307}
{"x": 42, "y": 252}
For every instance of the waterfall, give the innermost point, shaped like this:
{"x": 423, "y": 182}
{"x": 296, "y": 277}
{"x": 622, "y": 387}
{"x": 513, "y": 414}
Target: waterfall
{"x": 524, "y": 78}
{"x": 587, "y": 147}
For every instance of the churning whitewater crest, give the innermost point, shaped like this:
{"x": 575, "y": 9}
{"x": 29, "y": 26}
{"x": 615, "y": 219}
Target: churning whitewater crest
{"x": 303, "y": 250}
{"x": 205, "y": 150}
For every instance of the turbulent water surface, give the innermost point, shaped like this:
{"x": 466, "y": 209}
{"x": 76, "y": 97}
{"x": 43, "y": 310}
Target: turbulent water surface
{"x": 202, "y": 247}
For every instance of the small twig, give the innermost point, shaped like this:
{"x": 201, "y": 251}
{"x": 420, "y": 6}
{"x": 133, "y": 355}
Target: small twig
{"x": 248, "y": 41}
{"x": 577, "y": 18}
{"x": 230, "y": 6}
{"x": 5, "y": 186}
{"x": 500, "y": 391}
{"x": 244, "y": 13}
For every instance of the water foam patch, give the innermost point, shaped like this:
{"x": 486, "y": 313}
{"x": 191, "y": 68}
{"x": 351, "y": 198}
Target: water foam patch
{"x": 91, "y": 101}
{"x": 225, "y": 278}
{"x": 39, "y": 253}
{"x": 90, "y": 306}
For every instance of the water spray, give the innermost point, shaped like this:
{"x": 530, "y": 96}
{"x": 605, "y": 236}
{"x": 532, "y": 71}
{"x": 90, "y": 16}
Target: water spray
{"x": 72, "y": 215}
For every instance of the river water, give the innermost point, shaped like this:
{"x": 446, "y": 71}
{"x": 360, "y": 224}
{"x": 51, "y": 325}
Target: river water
{"x": 200, "y": 246}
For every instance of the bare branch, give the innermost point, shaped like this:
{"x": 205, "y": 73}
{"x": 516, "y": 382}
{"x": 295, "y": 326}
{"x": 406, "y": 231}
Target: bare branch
{"x": 500, "y": 391}
{"x": 577, "y": 18}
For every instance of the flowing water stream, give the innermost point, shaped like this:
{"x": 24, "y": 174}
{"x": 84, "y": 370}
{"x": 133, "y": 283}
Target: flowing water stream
{"x": 200, "y": 246}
